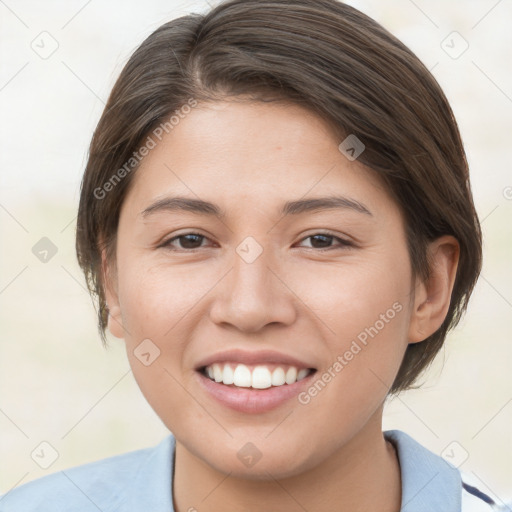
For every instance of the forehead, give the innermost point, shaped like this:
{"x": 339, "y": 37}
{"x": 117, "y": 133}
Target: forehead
{"x": 252, "y": 154}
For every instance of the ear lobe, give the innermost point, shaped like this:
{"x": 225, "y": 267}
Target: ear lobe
{"x": 115, "y": 325}
{"x": 432, "y": 298}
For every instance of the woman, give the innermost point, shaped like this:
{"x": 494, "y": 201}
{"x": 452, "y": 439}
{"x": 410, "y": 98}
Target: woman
{"x": 276, "y": 217}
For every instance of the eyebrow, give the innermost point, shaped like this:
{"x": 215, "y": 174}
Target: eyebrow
{"x": 199, "y": 206}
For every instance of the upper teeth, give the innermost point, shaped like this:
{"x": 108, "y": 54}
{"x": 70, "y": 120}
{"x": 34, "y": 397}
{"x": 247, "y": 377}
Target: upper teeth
{"x": 260, "y": 377}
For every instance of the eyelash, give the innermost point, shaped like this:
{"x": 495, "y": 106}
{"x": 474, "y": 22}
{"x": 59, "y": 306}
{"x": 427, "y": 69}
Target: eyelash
{"x": 342, "y": 242}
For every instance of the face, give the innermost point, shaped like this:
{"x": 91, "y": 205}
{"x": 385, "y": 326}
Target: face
{"x": 330, "y": 287}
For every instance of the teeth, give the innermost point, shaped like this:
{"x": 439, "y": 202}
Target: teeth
{"x": 217, "y": 373}
{"x": 302, "y": 373}
{"x": 261, "y": 377}
{"x": 228, "y": 376}
{"x": 291, "y": 375}
{"x": 278, "y": 377}
{"x": 242, "y": 376}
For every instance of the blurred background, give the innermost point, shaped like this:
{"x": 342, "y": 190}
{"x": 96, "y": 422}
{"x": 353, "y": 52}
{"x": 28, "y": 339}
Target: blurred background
{"x": 65, "y": 400}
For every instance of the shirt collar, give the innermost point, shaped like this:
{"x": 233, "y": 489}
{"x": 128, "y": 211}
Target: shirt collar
{"x": 428, "y": 481}
{"x": 152, "y": 486}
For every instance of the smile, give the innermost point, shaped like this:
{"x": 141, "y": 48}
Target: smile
{"x": 249, "y": 399}
{"x": 255, "y": 376}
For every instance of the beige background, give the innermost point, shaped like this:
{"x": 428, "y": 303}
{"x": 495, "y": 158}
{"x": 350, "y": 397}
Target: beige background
{"x": 58, "y": 385}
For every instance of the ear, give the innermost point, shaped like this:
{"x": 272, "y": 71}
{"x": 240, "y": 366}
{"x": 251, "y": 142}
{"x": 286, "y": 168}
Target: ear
{"x": 432, "y": 298}
{"x": 109, "y": 277}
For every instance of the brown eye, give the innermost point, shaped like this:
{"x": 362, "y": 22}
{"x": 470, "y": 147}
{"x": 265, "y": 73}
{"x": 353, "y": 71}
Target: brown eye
{"x": 324, "y": 240}
{"x": 186, "y": 241}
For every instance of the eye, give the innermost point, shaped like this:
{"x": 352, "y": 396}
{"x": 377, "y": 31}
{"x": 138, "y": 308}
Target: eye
{"x": 188, "y": 241}
{"x": 322, "y": 241}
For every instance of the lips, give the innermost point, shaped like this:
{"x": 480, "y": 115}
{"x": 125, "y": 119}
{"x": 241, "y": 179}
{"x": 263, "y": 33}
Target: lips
{"x": 249, "y": 400}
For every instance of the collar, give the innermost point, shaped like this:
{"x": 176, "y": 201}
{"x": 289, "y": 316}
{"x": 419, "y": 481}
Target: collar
{"x": 428, "y": 481}
{"x": 152, "y": 487}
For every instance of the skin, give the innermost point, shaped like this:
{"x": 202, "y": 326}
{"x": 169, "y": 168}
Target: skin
{"x": 247, "y": 157}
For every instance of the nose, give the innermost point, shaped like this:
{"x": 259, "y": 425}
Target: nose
{"x": 252, "y": 295}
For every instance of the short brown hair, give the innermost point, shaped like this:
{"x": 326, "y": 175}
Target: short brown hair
{"x": 320, "y": 54}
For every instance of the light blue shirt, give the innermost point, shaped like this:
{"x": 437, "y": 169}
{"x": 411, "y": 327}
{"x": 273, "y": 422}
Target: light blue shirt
{"x": 142, "y": 481}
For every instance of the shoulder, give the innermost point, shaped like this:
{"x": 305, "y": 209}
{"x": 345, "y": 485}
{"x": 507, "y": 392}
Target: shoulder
{"x": 104, "y": 485}
{"x": 430, "y": 482}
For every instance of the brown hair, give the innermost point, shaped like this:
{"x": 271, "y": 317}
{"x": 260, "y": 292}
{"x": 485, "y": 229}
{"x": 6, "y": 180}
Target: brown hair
{"x": 323, "y": 55}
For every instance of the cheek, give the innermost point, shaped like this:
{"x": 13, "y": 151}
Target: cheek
{"x": 155, "y": 298}
{"x": 351, "y": 296}
{"x": 159, "y": 311}
{"x": 363, "y": 317}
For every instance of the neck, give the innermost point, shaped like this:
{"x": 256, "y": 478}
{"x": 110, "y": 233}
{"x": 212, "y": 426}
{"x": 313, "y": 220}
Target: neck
{"x": 363, "y": 474}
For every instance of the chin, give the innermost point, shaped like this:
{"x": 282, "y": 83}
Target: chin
{"x": 264, "y": 463}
